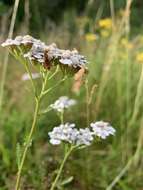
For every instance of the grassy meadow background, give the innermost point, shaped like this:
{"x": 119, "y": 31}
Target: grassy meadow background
{"x": 110, "y": 35}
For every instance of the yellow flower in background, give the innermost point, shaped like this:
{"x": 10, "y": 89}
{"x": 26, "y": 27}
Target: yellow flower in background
{"x": 105, "y": 23}
{"x": 90, "y": 37}
{"x": 139, "y": 57}
{"x": 105, "y": 33}
{"x": 123, "y": 55}
{"x": 124, "y": 42}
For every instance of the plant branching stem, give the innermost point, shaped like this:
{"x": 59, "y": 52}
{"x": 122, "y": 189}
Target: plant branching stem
{"x": 62, "y": 117}
{"x": 45, "y": 92}
{"x": 56, "y": 71}
{"x": 31, "y": 79}
{"x": 29, "y": 139}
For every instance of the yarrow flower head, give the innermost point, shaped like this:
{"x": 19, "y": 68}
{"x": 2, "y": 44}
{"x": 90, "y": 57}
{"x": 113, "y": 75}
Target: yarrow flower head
{"x": 102, "y": 129}
{"x": 72, "y": 58}
{"x": 50, "y": 55}
{"x": 65, "y": 132}
{"x": 20, "y": 41}
{"x": 46, "y": 55}
{"x": 68, "y": 133}
{"x": 85, "y": 137}
{"x": 63, "y": 103}
{"x": 37, "y": 53}
{"x": 80, "y": 137}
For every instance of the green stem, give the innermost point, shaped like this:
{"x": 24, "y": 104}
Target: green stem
{"x": 29, "y": 139}
{"x": 27, "y": 145}
{"x": 31, "y": 79}
{"x": 87, "y": 102}
{"x": 4, "y": 70}
{"x": 61, "y": 168}
{"x": 62, "y": 117}
{"x": 44, "y": 85}
{"x": 56, "y": 71}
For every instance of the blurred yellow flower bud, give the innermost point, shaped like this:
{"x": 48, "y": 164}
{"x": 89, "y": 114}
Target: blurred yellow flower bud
{"x": 126, "y": 43}
{"x": 90, "y": 37}
{"x": 105, "y": 23}
{"x": 139, "y": 57}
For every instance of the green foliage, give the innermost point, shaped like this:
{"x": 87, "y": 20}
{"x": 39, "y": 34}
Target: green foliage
{"x": 3, "y": 8}
{"x": 47, "y": 12}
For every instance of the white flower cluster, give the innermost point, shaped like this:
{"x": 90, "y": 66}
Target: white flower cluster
{"x": 38, "y": 52}
{"x": 68, "y": 133}
{"x": 20, "y": 40}
{"x": 63, "y": 103}
{"x": 85, "y": 137}
{"x": 64, "y": 132}
{"x": 102, "y": 129}
{"x": 67, "y": 57}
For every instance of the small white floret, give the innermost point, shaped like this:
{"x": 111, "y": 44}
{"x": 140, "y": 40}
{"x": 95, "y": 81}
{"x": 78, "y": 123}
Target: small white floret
{"x": 102, "y": 129}
{"x": 63, "y": 103}
{"x": 85, "y": 137}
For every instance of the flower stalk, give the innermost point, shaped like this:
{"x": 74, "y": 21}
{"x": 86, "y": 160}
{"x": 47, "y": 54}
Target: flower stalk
{"x": 29, "y": 139}
{"x": 27, "y": 144}
{"x": 61, "y": 167}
